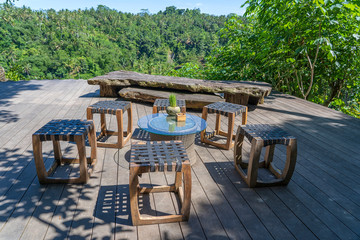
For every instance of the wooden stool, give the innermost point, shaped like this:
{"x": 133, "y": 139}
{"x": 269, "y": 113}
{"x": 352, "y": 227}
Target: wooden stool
{"x": 65, "y": 130}
{"x": 162, "y": 104}
{"x": 230, "y": 110}
{"x": 115, "y": 108}
{"x": 262, "y": 135}
{"x": 160, "y": 156}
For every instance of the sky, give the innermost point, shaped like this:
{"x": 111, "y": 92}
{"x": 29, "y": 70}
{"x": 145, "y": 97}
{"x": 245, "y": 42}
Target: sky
{"x": 214, "y": 7}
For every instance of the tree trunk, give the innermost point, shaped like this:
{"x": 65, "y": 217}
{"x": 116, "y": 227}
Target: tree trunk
{"x": 2, "y": 74}
{"x": 335, "y": 90}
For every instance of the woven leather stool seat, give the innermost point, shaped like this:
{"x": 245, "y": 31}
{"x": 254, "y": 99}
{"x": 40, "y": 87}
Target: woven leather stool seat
{"x": 114, "y": 108}
{"x": 263, "y": 135}
{"x": 73, "y": 130}
{"x": 162, "y": 104}
{"x": 110, "y": 107}
{"x": 154, "y": 156}
{"x": 226, "y": 109}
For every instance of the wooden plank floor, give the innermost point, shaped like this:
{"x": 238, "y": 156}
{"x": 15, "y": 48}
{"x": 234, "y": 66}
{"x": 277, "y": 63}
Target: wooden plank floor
{"x": 322, "y": 201}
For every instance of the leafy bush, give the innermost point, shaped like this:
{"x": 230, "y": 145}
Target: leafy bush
{"x": 314, "y": 57}
{"x": 189, "y": 70}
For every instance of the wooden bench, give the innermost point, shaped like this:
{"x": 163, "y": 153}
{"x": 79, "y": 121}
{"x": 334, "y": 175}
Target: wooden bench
{"x": 239, "y": 92}
{"x": 65, "y": 130}
{"x": 263, "y": 135}
{"x": 160, "y": 156}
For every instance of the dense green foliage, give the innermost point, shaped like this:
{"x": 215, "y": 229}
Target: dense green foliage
{"x": 310, "y": 49}
{"x": 85, "y": 43}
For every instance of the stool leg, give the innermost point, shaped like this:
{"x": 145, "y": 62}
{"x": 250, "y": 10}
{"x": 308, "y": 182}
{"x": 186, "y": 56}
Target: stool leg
{"x": 39, "y": 162}
{"x": 269, "y": 155}
{"x": 239, "y": 140}
{"x": 129, "y": 128}
{"x": 119, "y": 118}
{"x": 80, "y": 143}
{"x": 253, "y": 165}
{"x": 89, "y": 114}
{"x": 244, "y": 117}
{"x": 178, "y": 181}
{"x": 291, "y": 153}
{"x": 155, "y": 110}
{"x": 103, "y": 124}
{"x": 204, "y": 116}
{"x": 185, "y": 206}
{"x": 183, "y": 109}
{"x": 57, "y": 151}
{"x": 217, "y": 123}
{"x": 231, "y": 119}
{"x": 134, "y": 195}
{"x": 93, "y": 145}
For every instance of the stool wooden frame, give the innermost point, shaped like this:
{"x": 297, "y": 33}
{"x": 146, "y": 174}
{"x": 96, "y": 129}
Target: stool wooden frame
{"x": 230, "y": 110}
{"x": 65, "y": 130}
{"x": 116, "y": 108}
{"x": 161, "y": 105}
{"x": 262, "y": 135}
{"x": 160, "y": 156}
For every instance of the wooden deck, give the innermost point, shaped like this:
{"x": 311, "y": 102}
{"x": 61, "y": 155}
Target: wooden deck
{"x": 321, "y": 201}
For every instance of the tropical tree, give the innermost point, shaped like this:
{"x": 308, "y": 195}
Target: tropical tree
{"x": 307, "y": 48}
{"x": 85, "y": 43}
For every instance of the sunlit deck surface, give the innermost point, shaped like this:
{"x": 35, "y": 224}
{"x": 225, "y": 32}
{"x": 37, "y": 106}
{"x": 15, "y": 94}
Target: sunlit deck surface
{"x": 321, "y": 201}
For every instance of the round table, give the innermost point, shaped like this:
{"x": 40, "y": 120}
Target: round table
{"x": 163, "y": 127}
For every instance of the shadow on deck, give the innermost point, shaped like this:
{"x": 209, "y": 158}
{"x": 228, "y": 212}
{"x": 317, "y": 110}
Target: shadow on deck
{"x": 321, "y": 201}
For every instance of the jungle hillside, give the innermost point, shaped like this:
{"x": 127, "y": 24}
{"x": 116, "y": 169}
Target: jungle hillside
{"x": 53, "y": 44}
{"x": 308, "y": 49}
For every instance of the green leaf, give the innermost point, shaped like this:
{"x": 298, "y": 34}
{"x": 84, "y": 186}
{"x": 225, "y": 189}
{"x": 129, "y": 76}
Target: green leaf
{"x": 290, "y": 60}
{"x": 299, "y": 50}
